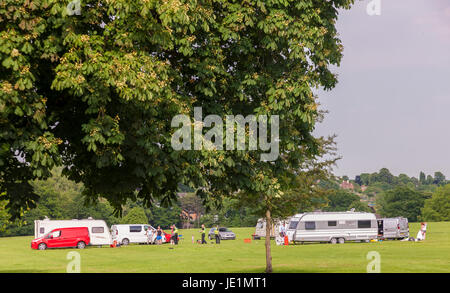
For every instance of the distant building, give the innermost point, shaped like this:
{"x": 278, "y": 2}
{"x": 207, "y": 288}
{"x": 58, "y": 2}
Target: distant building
{"x": 346, "y": 184}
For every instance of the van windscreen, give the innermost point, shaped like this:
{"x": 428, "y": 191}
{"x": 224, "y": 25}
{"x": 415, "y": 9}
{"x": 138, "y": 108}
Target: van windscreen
{"x": 293, "y": 225}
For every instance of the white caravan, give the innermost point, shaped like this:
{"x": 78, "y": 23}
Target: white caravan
{"x": 334, "y": 227}
{"x": 132, "y": 233}
{"x": 98, "y": 230}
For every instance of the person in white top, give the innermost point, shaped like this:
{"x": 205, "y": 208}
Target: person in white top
{"x": 282, "y": 230}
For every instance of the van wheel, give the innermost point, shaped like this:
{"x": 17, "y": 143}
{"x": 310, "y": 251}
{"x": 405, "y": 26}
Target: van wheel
{"x": 341, "y": 240}
{"x": 42, "y": 246}
{"x": 81, "y": 245}
{"x": 333, "y": 241}
{"x": 125, "y": 241}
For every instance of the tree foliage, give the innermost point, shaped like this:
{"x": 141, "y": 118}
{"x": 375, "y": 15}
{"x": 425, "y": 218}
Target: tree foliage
{"x": 437, "y": 208}
{"x": 401, "y": 201}
{"x": 135, "y": 215}
{"x": 96, "y": 92}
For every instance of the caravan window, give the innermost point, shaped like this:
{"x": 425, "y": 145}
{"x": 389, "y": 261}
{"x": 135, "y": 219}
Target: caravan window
{"x": 260, "y": 225}
{"x": 135, "y": 228}
{"x": 332, "y": 223}
{"x": 41, "y": 230}
{"x": 293, "y": 225}
{"x": 364, "y": 224}
{"x": 310, "y": 225}
{"x": 98, "y": 229}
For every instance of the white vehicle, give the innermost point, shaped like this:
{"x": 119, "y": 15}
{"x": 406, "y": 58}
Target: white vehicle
{"x": 98, "y": 230}
{"x": 260, "y": 230}
{"x": 393, "y": 228}
{"x": 334, "y": 227}
{"x": 133, "y": 233}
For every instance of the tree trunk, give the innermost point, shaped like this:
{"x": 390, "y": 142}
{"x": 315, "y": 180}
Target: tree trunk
{"x": 268, "y": 252}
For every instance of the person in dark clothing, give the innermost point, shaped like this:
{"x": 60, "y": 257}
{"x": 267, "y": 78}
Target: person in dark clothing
{"x": 216, "y": 232}
{"x": 159, "y": 235}
{"x": 175, "y": 234}
{"x": 203, "y": 231}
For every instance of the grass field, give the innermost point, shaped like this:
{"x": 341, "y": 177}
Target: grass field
{"x": 235, "y": 256}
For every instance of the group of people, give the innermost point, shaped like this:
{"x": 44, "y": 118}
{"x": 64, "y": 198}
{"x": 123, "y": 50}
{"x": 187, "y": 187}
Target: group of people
{"x": 150, "y": 232}
{"x": 216, "y": 234}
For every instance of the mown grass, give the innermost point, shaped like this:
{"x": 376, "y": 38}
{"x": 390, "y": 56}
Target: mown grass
{"x": 431, "y": 255}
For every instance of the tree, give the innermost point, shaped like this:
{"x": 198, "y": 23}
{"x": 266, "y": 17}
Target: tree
{"x": 191, "y": 203}
{"x": 135, "y": 216}
{"x": 96, "y": 93}
{"x": 422, "y": 178}
{"x": 401, "y": 201}
{"x": 360, "y": 206}
{"x": 439, "y": 178}
{"x": 340, "y": 200}
{"x": 165, "y": 217}
{"x": 365, "y": 178}
{"x": 437, "y": 208}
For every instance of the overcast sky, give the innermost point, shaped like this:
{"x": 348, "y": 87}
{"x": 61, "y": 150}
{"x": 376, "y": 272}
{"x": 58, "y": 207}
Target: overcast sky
{"x": 391, "y": 107}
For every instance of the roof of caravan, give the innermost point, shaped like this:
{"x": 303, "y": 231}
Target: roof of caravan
{"x": 324, "y": 216}
{"x": 131, "y": 225}
{"x": 72, "y": 220}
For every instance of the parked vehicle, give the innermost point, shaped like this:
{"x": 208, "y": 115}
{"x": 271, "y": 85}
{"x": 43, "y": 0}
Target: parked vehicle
{"x": 98, "y": 230}
{"x": 224, "y": 234}
{"x": 334, "y": 227}
{"x": 393, "y": 228}
{"x": 132, "y": 233}
{"x": 260, "y": 229}
{"x": 292, "y": 226}
{"x": 63, "y": 237}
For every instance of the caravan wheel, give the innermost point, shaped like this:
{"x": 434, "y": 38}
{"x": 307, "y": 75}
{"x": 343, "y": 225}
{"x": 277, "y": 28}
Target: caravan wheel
{"x": 333, "y": 241}
{"x": 341, "y": 240}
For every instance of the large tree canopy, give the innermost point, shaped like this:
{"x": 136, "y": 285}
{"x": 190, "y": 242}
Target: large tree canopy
{"x": 96, "y": 92}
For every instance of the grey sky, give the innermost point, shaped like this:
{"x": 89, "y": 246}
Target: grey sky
{"x": 391, "y": 107}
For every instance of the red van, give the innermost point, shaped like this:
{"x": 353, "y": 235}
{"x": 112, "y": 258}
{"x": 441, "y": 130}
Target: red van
{"x": 63, "y": 237}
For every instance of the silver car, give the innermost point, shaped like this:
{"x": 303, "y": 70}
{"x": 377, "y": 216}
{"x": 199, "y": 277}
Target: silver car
{"x": 224, "y": 234}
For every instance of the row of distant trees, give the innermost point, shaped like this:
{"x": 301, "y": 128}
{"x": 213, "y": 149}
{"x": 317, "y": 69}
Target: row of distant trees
{"x": 61, "y": 198}
{"x": 425, "y": 198}
{"x": 385, "y": 176}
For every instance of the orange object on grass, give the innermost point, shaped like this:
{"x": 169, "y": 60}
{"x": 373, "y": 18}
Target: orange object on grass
{"x": 247, "y": 240}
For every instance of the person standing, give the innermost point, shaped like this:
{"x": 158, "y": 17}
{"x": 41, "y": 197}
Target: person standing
{"x": 203, "y": 231}
{"x": 216, "y": 233}
{"x": 149, "y": 234}
{"x": 175, "y": 234}
{"x": 282, "y": 230}
{"x": 171, "y": 235}
{"x": 159, "y": 235}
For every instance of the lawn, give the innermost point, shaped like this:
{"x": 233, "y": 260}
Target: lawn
{"x": 431, "y": 255}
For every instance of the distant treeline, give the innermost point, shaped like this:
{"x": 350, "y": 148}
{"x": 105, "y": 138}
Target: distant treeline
{"x": 426, "y": 198}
